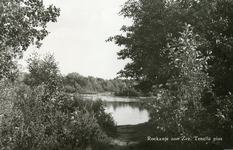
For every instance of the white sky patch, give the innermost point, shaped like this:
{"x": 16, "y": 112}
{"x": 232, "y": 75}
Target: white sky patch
{"x": 95, "y": 17}
{"x": 107, "y": 14}
{"x": 78, "y": 38}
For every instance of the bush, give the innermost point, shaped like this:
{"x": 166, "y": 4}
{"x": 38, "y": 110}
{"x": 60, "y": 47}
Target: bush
{"x": 178, "y": 111}
{"x": 96, "y": 107}
{"x": 67, "y": 122}
{"x": 44, "y": 71}
{"x": 39, "y": 115}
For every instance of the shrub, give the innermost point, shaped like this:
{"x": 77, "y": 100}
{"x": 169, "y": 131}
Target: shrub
{"x": 44, "y": 71}
{"x": 39, "y": 115}
{"x": 66, "y": 122}
{"x": 178, "y": 110}
{"x": 96, "y": 107}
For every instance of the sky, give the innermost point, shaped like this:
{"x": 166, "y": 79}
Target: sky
{"x": 78, "y": 37}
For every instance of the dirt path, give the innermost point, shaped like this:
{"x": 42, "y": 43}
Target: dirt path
{"x": 127, "y": 137}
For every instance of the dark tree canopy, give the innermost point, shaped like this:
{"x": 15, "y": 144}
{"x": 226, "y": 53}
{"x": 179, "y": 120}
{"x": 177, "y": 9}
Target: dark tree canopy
{"x": 184, "y": 47}
{"x": 146, "y": 39}
{"x": 22, "y": 22}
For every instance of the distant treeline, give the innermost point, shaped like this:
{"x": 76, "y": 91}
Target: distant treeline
{"x": 74, "y": 82}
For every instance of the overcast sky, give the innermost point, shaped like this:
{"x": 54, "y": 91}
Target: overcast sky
{"x": 77, "y": 39}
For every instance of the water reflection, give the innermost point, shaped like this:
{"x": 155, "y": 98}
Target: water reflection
{"x": 125, "y": 110}
{"x": 117, "y": 104}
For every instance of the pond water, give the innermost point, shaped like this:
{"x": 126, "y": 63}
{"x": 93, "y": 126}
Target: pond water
{"x": 125, "y": 110}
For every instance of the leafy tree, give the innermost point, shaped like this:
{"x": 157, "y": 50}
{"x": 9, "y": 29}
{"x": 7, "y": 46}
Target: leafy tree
{"x": 74, "y": 77}
{"x": 22, "y": 22}
{"x": 40, "y": 116}
{"x": 74, "y": 82}
{"x": 183, "y": 64}
{"x": 218, "y": 31}
{"x": 8, "y": 66}
{"x": 178, "y": 110}
{"x": 44, "y": 71}
{"x": 145, "y": 40}
{"x": 77, "y": 81}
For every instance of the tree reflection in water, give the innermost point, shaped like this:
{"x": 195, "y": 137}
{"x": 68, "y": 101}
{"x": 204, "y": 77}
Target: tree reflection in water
{"x": 116, "y": 104}
{"x": 127, "y": 112}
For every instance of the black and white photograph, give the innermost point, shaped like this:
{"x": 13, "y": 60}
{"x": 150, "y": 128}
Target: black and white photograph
{"x": 116, "y": 74}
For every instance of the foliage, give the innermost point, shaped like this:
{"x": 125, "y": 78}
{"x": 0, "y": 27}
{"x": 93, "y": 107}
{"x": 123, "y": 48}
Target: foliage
{"x": 178, "y": 110}
{"x": 193, "y": 69}
{"x": 22, "y": 22}
{"x": 128, "y": 92}
{"x": 77, "y": 102}
{"x": 8, "y": 67}
{"x": 68, "y": 122}
{"x": 144, "y": 41}
{"x": 74, "y": 82}
{"x": 44, "y": 71}
{"x": 225, "y": 119}
{"x": 32, "y": 123}
{"x": 34, "y": 115}
{"x": 182, "y": 99}
{"x": 40, "y": 115}
{"x": 219, "y": 35}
